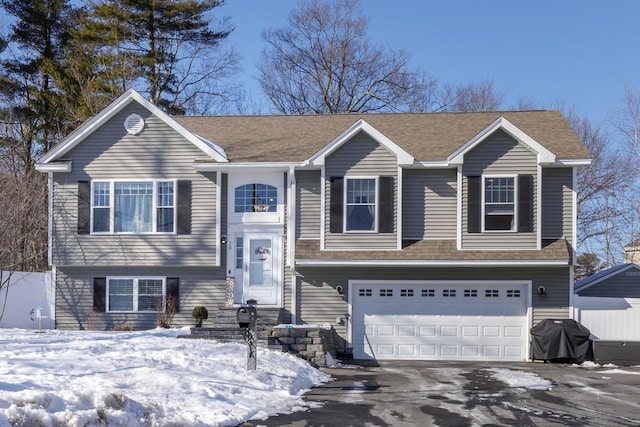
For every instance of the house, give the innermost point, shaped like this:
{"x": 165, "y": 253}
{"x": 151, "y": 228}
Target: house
{"x": 416, "y": 236}
{"x": 608, "y": 303}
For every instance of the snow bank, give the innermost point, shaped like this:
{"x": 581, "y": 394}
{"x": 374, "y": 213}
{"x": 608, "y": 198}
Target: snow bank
{"x": 521, "y": 379}
{"x": 148, "y": 378}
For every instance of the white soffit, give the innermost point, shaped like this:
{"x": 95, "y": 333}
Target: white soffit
{"x": 544, "y": 156}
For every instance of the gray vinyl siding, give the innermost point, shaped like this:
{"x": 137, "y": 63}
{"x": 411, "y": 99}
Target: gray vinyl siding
{"x": 623, "y": 285}
{"x": 557, "y": 203}
{"x": 499, "y": 154}
{"x": 308, "y": 204}
{"x": 74, "y": 296}
{"x": 429, "y": 204}
{"x": 111, "y": 154}
{"x": 360, "y": 156}
{"x": 320, "y": 303}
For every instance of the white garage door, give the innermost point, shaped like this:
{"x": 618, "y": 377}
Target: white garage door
{"x": 439, "y": 321}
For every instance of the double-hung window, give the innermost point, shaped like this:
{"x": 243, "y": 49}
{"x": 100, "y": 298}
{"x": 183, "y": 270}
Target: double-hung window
{"x": 361, "y": 204}
{"x": 127, "y": 294}
{"x": 133, "y": 207}
{"x": 499, "y": 203}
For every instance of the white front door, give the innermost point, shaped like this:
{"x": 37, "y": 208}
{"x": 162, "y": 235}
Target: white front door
{"x": 259, "y": 268}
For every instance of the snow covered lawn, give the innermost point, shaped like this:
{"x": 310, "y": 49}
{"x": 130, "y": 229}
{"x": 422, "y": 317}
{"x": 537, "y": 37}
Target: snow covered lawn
{"x": 147, "y": 378}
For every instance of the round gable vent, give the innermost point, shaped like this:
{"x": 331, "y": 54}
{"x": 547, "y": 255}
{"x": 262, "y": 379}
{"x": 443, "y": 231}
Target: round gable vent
{"x": 134, "y": 124}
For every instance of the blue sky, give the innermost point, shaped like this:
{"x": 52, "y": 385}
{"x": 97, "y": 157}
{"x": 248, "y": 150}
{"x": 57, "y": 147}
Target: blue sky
{"x": 580, "y": 53}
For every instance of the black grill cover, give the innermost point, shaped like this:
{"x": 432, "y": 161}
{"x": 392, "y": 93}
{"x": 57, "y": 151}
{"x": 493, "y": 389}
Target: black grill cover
{"x": 553, "y": 339}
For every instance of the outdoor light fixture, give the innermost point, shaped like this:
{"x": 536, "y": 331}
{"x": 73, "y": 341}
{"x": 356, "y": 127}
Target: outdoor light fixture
{"x": 542, "y": 291}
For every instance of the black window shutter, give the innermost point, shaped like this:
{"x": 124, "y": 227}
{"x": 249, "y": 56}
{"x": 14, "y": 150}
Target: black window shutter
{"x": 173, "y": 289}
{"x": 335, "y": 207}
{"x": 100, "y": 294}
{"x": 184, "y": 207}
{"x": 385, "y": 223}
{"x": 84, "y": 207}
{"x": 474, "y": 210}
{"x": 525, "y": 203}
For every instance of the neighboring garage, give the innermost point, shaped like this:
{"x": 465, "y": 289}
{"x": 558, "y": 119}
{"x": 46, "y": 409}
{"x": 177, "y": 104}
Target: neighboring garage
{"x": 440, "y": 320}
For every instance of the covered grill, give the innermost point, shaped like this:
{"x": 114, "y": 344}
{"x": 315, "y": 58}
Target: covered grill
{"x": 560, "y": 339}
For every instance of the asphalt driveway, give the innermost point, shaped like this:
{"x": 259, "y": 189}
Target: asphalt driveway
{"x": 472, "y": 394}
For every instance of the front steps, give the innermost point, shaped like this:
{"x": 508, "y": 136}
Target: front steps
{"x": 224, "y": 326}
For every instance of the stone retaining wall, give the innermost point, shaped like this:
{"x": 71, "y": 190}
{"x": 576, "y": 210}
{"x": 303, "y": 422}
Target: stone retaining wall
{"x": 309, "y": 342}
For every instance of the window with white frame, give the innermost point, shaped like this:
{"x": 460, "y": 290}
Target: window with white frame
{"x": 361, "y": 204}
{"x": 135, "y": 294}
{"x": 499, "y": 203}
{"x": 256, "y": 198}
{"x": 133, "y": 206}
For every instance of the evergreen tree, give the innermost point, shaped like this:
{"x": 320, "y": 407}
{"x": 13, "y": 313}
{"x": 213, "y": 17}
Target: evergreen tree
{"x": 31, "y": 69}
{"x": 163, "y": 47}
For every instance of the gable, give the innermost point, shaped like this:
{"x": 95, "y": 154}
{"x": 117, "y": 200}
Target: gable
{"x": 499, "y": 153}
{"x": 503, "y": 126}
{"x": 131, "y": 97}
{"x": 617, "y": 282}
{"x": 112, "y": 152}
{"x": 361, "y": 154}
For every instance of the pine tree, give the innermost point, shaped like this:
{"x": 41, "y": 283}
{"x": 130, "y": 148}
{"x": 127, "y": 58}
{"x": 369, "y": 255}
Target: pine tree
{"x": 30, "y": 71}
{"x": 162, "y": 47}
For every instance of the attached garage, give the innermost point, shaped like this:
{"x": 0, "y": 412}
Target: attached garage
{"x": 440, "y": 320}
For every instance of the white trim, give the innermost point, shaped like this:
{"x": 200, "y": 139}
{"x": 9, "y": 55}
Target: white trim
{"x": 544, "y": 156}
{"x": 529, "y": 300}
{"x": 538, "y": 195}
{"x": 59, "y": 166}
{"x": 514, "y": 228}
{"x": 571, "y": 162}
{"x": 345, "y": 192}
{"x": 435, "y": 164}
{"x": 218, "y": 219}
{"x": 427, "y": 263}
{"x": 291, "y": 243}
{"x": 135, "y": 295}
{"x": 50, "y": 219}
{"x": 397, "y": 191}
{"x": 118, "y": 105}
{"x": 243, "y": 167}
{"x": 459, "y": 208}
{"x": 323, "y": 208}
{"x": 154, "y": 207}
{"x": 318, "y": 159}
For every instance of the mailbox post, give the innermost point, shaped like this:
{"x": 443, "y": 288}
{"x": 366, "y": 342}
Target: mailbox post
{"x": 247, "y": 319}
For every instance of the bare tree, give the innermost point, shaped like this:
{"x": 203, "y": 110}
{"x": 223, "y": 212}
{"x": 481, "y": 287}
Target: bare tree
{"x": 322, "y": 63}
{"x": 480, "y": 95}
{"x": 601, "y": 188}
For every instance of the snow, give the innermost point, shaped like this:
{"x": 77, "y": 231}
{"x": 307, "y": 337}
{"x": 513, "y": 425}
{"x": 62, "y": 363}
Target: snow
{"x": 145, "y": 378}
{"x": 521, "y": 379}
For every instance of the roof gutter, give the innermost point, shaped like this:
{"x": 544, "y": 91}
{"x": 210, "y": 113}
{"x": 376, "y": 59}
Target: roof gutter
{"x": 427, "y": 263}
{"x": 226, "y": 167}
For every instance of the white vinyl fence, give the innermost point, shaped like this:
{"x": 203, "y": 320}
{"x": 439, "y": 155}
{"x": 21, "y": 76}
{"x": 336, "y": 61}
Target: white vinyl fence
{"x": 613, "y": 319}
{"x": 24, "y": 296}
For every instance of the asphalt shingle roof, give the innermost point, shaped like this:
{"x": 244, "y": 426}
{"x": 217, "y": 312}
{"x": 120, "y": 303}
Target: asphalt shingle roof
{"x": 426, "y": 136}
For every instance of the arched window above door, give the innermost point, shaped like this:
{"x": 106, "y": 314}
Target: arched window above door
{"x": 256, "y": 198}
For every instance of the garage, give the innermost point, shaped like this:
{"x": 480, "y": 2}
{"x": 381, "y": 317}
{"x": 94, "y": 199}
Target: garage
{"x": 424, "y": 320}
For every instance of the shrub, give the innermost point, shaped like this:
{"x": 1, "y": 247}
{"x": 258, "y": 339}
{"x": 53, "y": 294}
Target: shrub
{"x": 122, "y": 327}
{"x": 200, "y": 313}
{"x": 165, "y": 316}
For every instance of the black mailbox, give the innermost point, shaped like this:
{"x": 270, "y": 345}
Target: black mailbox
{"x": 246, "y": 317}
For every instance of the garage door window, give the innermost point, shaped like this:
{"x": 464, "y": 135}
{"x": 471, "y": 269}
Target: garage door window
{"x": 513, "y": 293}
{"x": 492, "y": 293}
{"x": 470, "y": 293}
{"x": 428, "y": 292}
{"x": 448, "y": 292}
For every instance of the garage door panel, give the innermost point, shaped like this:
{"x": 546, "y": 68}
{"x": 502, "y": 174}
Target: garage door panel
{"x": 440, "y": 322}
